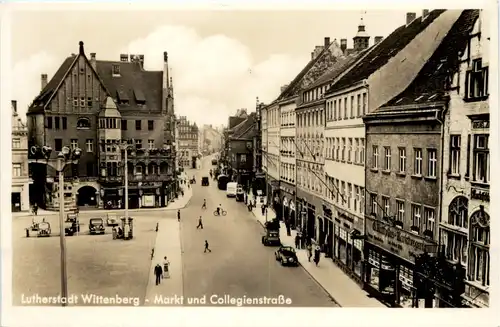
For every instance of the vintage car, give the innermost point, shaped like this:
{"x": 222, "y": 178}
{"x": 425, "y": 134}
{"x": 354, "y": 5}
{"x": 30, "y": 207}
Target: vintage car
{"x": 111, "y": 220}
{"x": 96, "y": 226}
{"x": 286, "y": 256}
{"x": 44, "y": 229}
{"x": 214, "y": 162}
{"x": 240, "y": 194}
{"x": 205, "y": 181}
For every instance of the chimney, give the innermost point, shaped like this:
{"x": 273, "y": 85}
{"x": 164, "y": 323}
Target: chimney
{"x": 82, "y": 52}
{"x": 283, "y": 88}
{"x": 327, "y": 42}
{"x": 93, "y": 60}
{"x": 425, "y": 13}
{"x": 343, "y": 45}
{"x": 141, "y": 60}
{"x": 124, "y": 57}
{"x": 44, "y": 81}
{"x": 14, "y": 106}
{"x": 410, "y": 17}
{"x": 378, "y": 39}
{"x": 312, "y": 55}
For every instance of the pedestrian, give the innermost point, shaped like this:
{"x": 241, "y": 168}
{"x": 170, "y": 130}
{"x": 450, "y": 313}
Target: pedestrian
{"x": 178, "y": 215}
{"x": 204, "y": 206}
{"x": 297, "y": 241}
{"x": 309, "y": 252}
{"x": 317, "y": 254}
{"x": 158, "y": 273}
{"x": 263, "y": 207}
{"x": 166, "y": 263}
{"x": 206, "y": 247}
{"x": 200, "y": 223}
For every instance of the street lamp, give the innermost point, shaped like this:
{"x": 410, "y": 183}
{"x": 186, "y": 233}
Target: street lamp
{"x": 67, "y": 155}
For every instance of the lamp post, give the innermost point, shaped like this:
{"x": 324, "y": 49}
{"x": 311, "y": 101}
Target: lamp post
{"x": 66, "y": 155}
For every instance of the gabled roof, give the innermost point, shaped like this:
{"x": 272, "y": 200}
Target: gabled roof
{"x": 384, "y": 51}
{"x": 430, "y": 84}
{"x": 291, "y": 89}
{"x": 133, "y": 85}
{"x": 245, "y": 129}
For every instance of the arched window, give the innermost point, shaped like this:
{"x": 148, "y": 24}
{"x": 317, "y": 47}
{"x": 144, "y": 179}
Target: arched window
{"x": 458, "y": 211}
{"x": 479, "y": 239}
{"x": 83, "y": 123}
{"x": 456, "y": 243}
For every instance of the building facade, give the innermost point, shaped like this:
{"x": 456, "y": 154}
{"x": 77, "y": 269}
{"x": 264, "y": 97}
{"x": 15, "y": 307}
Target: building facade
{"x": 96, "y": 105}
{"x": 465, "y": 220}
{"x": 188, "y": 143}
{"x": 272, "y": 154}
{"x": 405, "y": 140}
{"x": 20, "y": 176}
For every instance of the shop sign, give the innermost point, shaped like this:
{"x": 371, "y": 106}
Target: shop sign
{"x": 395, "y": 240}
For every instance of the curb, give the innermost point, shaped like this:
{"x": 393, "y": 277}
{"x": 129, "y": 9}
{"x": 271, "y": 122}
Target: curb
{"x": 310, "y": 275}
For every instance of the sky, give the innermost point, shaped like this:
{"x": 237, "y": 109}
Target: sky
{"x": 220, "y": 60}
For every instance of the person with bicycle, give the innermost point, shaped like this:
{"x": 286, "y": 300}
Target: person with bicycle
{"x": 219, "y": 209}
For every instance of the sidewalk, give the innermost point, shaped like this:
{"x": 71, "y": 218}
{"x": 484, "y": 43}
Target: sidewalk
{"x": 168, "y": 243}
{"x": 340, "y": 287}
{"x": 179, "y": 203}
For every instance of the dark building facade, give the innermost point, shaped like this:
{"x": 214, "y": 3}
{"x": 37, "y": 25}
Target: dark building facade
{"x": 95, "y": 105}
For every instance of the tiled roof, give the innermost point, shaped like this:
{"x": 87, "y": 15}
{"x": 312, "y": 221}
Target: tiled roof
{"x": 337, "y": 68}
{"x": 41, "y": 100}
{"x": 430, "y": 83}
{"x": 134, "y": 84}
{"x": 385, "y": 50}
{"x": 245, "y": 129}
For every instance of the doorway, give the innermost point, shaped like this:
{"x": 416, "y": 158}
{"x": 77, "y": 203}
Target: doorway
{"x": 87, "y": 196}
{"x": 16, "y": 202}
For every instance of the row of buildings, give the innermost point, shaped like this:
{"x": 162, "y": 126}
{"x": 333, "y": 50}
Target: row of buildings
{"x": 380, "y": 154}
{"x": 210, "y": 140}
{"x": 97, "y": 106}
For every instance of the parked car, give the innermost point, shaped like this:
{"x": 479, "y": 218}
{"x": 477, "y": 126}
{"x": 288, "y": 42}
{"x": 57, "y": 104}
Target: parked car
{"x": 272, "y": 237}
{"x": 96, "y": 226}
{"x": 205, "y": 181}
{"x": 214, "y": 162}
{"x": 44, "y": 229}
{"x": 286, "y": 256}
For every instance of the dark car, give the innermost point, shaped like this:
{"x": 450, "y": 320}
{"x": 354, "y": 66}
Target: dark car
{"x": 96, "y": 226}
{"x": 214, "y": 162}
{"x": 286, "y": 256}
{"x": 205, "y": 181}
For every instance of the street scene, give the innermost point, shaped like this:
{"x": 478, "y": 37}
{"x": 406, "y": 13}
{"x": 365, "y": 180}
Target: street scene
{"x": 355, "y": 176}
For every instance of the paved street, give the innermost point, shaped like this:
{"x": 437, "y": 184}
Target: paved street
{"x": 239, "y": 264}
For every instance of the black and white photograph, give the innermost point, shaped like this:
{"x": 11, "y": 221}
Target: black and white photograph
{"x": 241, "y": 159}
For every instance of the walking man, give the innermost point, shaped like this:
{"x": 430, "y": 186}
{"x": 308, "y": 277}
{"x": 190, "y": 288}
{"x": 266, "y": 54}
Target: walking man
{"x": 166, "y": 263}
{"x": 309, "y": 252}
{"x": 178, "y": 215}
{"x": 158, "y": 273}
{"x": 200, "y": 223}
{"x": 204, "y": 206}
{"x": 206, "y": 247}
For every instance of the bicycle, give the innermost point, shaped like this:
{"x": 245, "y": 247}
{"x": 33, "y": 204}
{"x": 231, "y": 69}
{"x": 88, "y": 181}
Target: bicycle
{"x": 222, "y": 213}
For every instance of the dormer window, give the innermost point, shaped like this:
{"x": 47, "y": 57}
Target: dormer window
{"x": 116, "y": 70}
{"x": 122, "y": 97}
{"x": 139, "y": 97}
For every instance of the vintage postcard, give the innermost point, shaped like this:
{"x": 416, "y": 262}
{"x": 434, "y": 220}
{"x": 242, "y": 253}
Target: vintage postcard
{"x": 215, "y": 163}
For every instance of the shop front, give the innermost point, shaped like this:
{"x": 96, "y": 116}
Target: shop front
{"x": 309, "y": 206}
{"x": 390, "y": 271}
{"x": 288, "y": 194}
{"x": 112, "y": 197}
{"x": 328, "y": 230}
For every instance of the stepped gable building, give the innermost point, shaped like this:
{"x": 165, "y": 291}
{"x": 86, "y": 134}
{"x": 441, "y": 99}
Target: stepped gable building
{"x": 188, "y": 143}
{"x": 383, "y": 72}
{"x": 404, "y": 140}
{"x": 95, "y": 105}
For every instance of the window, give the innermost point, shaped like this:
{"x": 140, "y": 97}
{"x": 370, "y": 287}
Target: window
{"x": 479, "y": 261}
{"x": 352, "y": 106}
{"x": 362, "y": 151}
{"x": 455, "y": 154}
{"x": 401, "y": 210}
{"x": 82, "y": 102}
{"x": 138, "y": 125}
{"x": 151, "y": 144}
{"x": 16, "y": 143}
{"x": 387, "y": 160}
{"x": 116, "y": 69}
{"x": 124, "y": 124}
{"x": 334, "y": 109}
{"x": 89, "y": 144}
{"x": 349, "y": 150}
{"x": 356, "y": 150}
{"x": 456, "y": 247}
{"x": 481, "y": 162}
{"x": 356, "y": 198}
{"x": 343, "y": 148}
{"x": 476, "y": 81}
{"x": 364, "y": 103}
{"x": 373, "y": 204}
{"x": 402, "y": 160}
{"x": 83, "y": 123}
{"x": 430, "y": 219}
{"x": 64, "y": 123}
{"x": 386, "y": 202}
{"x": 90, "y": 169}
{"x": 458, "y": 212}
{"x": 75, "y": 102}
{"x": 418, "y": 162}
{"x": 359, "y": 106}
{"x": 345, "y": 108}
{"x": 49, "y": 122}
{"x": 138, "y": 144}
{"x": 16, "y": 170}
{"x": 89, "y": 102}
{"x": 375, "y": 157}
{"x": 74, "y": 143}
{"x": 57, "y": 144}
{"x": 349, "y": 195}
{"x": 416, "y": 216}
{"x": 432, "y": 162}
{"x": 57, "y": 122}
{"x": 337, "y": 149}
{"x": 151, "y": 125}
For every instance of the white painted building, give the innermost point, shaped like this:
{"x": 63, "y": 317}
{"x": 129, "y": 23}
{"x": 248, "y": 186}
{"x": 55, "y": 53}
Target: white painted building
{"x": 20, "y": 177}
